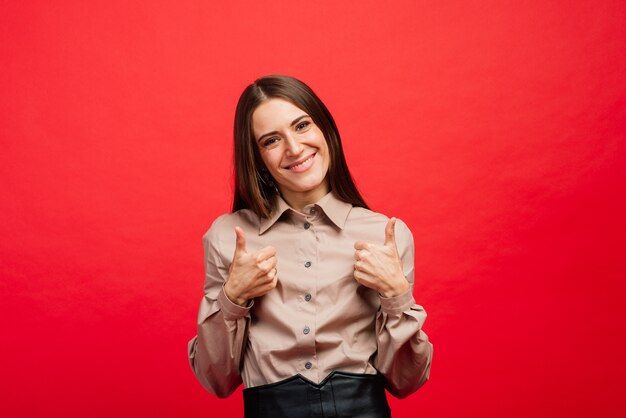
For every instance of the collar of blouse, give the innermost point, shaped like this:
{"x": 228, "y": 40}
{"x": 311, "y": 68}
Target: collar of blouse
{"x": 336, "y": 210}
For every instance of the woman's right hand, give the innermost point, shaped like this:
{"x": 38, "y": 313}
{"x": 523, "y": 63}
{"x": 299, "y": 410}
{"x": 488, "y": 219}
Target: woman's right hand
{"x": 250, "y": 275}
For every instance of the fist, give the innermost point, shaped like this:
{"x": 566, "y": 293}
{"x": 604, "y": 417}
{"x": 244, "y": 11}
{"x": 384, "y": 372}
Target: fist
{"x": 250, "y": 274}
{"x": 379, "y": 267}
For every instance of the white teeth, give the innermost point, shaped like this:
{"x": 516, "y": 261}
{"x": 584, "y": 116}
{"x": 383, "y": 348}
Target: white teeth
{"x": 302, "y": 163}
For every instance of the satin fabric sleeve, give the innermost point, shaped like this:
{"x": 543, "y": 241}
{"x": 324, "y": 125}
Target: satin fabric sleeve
{"x": 215, "y": 353}
{"x": 404, "y": 353}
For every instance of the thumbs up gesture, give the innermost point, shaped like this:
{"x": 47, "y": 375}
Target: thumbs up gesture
{"x": 379, "y": 267}
{"x": 250, "y": 274}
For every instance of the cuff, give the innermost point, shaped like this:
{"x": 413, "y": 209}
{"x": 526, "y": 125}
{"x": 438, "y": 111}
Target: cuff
{"x": 231, "y": 310}
{"x": 397, "y": 304}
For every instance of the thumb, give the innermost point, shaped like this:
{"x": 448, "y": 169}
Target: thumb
{"x": 240, "y": 244}
{"x": 390, "y": 232}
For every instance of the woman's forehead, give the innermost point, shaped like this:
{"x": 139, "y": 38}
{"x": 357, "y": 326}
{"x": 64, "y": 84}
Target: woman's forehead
{"x": 274, "y": 114}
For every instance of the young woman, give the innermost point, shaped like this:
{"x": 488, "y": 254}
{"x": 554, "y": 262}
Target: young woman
{"x": 307, "y": 294}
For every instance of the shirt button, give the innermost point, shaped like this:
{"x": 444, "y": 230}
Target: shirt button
{"x": 308, "y": 365}
{"x": 312, "y": 210}
{"x": 306, "y": 330}
{"x": 307, "y": 225}
{"x": 307, "y": 297}
{"x": 307, "y": 264}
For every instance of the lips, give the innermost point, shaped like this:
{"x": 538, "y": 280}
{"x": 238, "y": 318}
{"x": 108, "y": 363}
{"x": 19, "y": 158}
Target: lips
{"x": 301, "y": 164}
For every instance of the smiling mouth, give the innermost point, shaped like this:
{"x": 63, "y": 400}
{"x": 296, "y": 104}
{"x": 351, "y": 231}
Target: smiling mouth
{"x": 302, "y": 164}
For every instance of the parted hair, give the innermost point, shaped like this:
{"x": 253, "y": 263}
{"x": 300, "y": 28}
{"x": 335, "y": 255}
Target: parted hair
{"x": 252, "y": 191}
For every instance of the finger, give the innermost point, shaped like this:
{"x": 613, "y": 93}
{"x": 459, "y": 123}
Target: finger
{"x": 361, "y": 254}
{"x": 361, "y": 245}
{"x": 240, "y": 244}
{"x": 273, "y": 283}
{"x": 362, "y": 267}
{"x": 267, "y": 264}
{"x": 360, "y": 277}
{"x": 262, "y": 281}
{"x": 265, "y": 253}
{"x": 364, "y": 280}
{"x": 266, "y": 285}
{"x": 390, "y": 232}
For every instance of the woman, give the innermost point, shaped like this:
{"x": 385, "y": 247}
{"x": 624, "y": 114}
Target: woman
{"x": 308, "y": 294}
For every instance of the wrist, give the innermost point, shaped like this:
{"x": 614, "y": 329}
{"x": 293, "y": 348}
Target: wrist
{"x": 401, "y": 287}
{"x": 237, "y": 300}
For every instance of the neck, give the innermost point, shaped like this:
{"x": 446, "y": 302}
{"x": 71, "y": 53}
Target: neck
{"x": 298, "y": 200}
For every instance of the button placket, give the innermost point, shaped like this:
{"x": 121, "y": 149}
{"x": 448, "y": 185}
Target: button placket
{"x": 309, "y": 253}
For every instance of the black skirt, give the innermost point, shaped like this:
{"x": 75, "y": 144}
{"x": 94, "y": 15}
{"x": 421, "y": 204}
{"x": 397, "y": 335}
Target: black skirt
{"x": 340, "y": 395}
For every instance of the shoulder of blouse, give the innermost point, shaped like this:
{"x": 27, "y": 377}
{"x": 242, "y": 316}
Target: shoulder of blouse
{"x": 361, "y": 216}
{"x": 227, "y": 222}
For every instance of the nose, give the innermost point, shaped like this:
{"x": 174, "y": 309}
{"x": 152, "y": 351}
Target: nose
{"x": 294, "y": 147}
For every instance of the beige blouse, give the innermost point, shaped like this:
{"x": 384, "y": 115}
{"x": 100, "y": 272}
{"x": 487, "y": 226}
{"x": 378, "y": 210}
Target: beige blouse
{"x": 318, "y": 318}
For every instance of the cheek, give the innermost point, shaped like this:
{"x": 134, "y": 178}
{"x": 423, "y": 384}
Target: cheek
{"x": 322, "y": 145}
{"x": 327, "y": 159}
{"x": 271, "y": 160}
{"x": 325, "y": 150}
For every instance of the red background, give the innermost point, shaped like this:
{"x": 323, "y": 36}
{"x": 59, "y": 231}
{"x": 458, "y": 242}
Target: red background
{"x": 495, "y": 129}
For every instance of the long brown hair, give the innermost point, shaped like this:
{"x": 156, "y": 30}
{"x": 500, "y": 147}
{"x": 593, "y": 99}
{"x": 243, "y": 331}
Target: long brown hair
{"x": 252, "y": 191}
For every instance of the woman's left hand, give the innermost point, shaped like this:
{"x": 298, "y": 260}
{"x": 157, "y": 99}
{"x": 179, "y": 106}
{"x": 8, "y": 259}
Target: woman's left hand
{"x": 379, "y": 267}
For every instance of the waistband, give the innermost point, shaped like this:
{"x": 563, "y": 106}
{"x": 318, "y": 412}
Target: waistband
{"x": 340, "y": 394}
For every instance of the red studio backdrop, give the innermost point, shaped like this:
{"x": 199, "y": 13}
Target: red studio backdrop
{"x": 496, "y": 130}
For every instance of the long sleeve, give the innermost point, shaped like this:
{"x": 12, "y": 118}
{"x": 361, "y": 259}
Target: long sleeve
{"x": 404, "y": 352}
{"x": 215, "y": 354}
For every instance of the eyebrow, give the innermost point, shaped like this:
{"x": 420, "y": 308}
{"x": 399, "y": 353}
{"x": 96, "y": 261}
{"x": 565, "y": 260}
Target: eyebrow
{"x": 296, "y": 120}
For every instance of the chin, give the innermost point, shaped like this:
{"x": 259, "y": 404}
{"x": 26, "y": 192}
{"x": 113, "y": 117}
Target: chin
{"x": 312, "y": 184}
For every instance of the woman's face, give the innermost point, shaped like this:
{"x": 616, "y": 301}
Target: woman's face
{"x": 293, "y": 150}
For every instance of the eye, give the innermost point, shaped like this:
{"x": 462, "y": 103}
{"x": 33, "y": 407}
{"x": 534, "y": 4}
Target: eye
{"x": 270, "y": 141}
{"x": 302, "y": 125}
